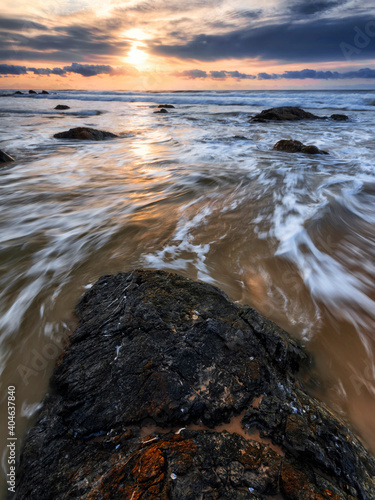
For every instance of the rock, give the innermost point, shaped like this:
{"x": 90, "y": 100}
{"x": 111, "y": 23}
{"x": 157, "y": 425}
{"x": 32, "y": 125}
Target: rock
{"x": 166, "y": 106}
{"x": 284, "y": 113}
{"x": 162, "y": 110}
{"x": 4, "y": 158}
{"x": 157, "y": 396}
{"x": 339, "y": 118}
{"x": 32, "y": 92}
{"x": 18, "y": 92}
{"x": 292, "y": 146}
{"x": 62, "y": 106}
{"x": 44, "y": 92}
{"x": 85, "y": 134}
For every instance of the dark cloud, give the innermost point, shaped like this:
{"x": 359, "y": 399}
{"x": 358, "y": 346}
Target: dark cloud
{"x": 47, "y": 71}
{"x": 64, "y": 43}
{"x": 9, "y": 69}
{"x": 193, "y": 73}
{"x": 364, "y": 73}
{"x": 310, "y": 7}
{"x": 222, "y": 75}
{"x": 216, "y": 75}
{"x": 296, "y": 42}
{"x": 14, "y": 24}
{"x": 86, "y": 70}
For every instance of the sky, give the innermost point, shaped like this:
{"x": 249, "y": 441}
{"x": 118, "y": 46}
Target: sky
{"x": 177, "y": 45}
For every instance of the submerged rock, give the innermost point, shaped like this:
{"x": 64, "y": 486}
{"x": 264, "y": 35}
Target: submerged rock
{"x": 18, "y": 92}
{"x": 339, "y": 118}
{"x": 62, "y": 106}
{"x": 284, "y": 113}
{"x": 169, "y": 390}
{"x": 85, "y": 134}
{"x": 5, "y": 158}
{"x": 166, "y": 106}
{"x": 44, "y": 92}
{"x": 162, "y": 110}
{"x": 292, "y": 146}
{"x": 32, "y": 92}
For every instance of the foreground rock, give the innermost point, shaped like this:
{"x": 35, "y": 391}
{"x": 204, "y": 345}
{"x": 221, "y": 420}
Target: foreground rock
{"x": 141, "y": 399}
{"x": 85, "y": 134}
{"x": 162, "y": 110}
{"x": 169, "y": 106}
{"x": 284, "y": 113}
{"x": 292, "y": 146}
{"x": 5, "y": 158}
{"x": 62, "y": 106}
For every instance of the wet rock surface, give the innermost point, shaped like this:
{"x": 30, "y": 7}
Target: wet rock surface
{"x": 284, "y": 113}
{"x": 85, "y": 134}
{"x": 162, "y": 110}
{"x": 62, "y": 106}
{"x": 5, "y": 158}
{"x": 292, "y": 146}
{"x": 339, "y": 118}
{"x": 169, "y": 106}
{"x": 144, "y": 400}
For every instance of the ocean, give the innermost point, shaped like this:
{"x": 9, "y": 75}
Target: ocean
{"x": 198, "y": 191}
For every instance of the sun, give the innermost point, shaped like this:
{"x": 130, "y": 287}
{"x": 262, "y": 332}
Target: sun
{"x": 136, "y": 56}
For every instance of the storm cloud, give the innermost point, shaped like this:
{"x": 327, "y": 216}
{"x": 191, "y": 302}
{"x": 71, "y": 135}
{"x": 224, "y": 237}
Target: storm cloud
{"x": 310, "y": 41}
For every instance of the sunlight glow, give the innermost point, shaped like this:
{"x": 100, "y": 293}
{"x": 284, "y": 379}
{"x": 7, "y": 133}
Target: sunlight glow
{"x": 137, "y": 34}
{"x": 136, "y": 56}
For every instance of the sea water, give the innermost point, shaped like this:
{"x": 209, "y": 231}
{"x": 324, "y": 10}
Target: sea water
{"x": 198, "y": 191}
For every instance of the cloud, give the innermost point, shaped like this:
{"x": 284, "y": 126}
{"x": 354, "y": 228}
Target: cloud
{"x": 9, "y": 69}
{"x": 192, "y": 74}
{"x": 216, "y": 75}
{"x": 308, "y": 41}
{"x": 311, "y": 7}
{"x": 47, "y": 71}
{"x": 85, "y": 70}
{"x": 14, "y": 24}
{"x": 62, "y": 43}
{"x": 364, "y": 73}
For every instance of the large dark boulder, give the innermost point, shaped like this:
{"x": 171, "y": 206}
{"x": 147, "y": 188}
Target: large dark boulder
{"x": 18, "y": 92}
{"x": 5, "y": 158}
{"x": 292, "y": 146}
{"x": 85, "y": 134}
{"x": 32, "y": 92}
{"x": 168, "y": 390}
{"x": 44, "y": 92}
{"x": 284, "y": 113}
{"x": 62, "y": 106}
{"x": 162, "y": 110}
{"x": 170, "y": 106}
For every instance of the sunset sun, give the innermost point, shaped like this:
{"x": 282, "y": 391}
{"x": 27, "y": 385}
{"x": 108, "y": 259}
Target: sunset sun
{"x": 136, "y": 56}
